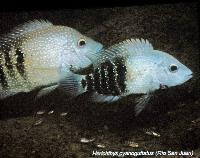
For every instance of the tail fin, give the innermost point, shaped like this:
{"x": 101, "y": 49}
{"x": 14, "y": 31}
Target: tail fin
{"x": 72, "y": 84}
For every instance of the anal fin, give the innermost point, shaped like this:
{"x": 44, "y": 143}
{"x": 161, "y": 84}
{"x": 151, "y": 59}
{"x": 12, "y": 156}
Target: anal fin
{"x": 6, "y": 94}
{"x": 141, "y": 103}
{"x": 100, "y": 98}
{"x": 46, "y": 91}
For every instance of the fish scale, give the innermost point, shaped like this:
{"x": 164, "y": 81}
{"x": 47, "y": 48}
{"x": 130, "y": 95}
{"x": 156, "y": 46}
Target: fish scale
{"x": 2, "y": 78}
{"x": 13, "y": 64}
{"x": 106, "y": 79}
{"x": 121, "y": 74}
{"x": 20, "y": 63}
{"x": 111, "y": 76}
{"x": 97, "y": 80}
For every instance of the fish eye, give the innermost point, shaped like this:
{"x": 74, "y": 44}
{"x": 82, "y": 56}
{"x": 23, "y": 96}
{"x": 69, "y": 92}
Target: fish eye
{"x": 173, "y": 68}
{"x": 81, "y": 42}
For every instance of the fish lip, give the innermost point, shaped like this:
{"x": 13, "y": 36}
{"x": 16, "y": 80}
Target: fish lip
{"x": 163, "y": 86}
{"x": 190, "y": 76}
{"x": 101, "y": 47}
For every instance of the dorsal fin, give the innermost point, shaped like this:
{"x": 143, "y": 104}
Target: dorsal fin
{"x": 25, "y": 28}
{"x": 129, "y": 47}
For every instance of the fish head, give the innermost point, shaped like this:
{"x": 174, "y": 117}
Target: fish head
{"x": 148, "y": 69}
{"x": 171, "y": 72}
{"x": 85, "y": 50}
{"x": 154, "y": 70}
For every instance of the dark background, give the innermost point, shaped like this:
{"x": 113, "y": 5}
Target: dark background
{"x": 174, "y": 113}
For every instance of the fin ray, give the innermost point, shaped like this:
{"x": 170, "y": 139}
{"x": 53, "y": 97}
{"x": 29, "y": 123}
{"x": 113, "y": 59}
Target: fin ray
{"x": 6, "y": 94}
{"x": 141, "y": 103}
{"x": 71, "y": 84}
{"x": 129, "y": 47}
{"x": 22, "y": 29}
{"x": 46, "y": 91}
{"x": 100, "y": 98}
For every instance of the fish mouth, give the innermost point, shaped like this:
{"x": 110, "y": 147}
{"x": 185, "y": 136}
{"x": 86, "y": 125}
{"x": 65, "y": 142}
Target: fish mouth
{"x": 163, "y": 86}
{"x": 189, "y": 77}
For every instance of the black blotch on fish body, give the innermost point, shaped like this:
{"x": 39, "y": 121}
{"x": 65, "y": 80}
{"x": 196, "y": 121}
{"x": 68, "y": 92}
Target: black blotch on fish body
{"x": 108, "y": 78}
{"x": 112, "y": 84}
{"x": 103, "y": 84}
{"x": 20, "y": 62}
{"x": 8, "y": 62}
{"x": 83, "y": 83}
{"x": 3, "y": 81}
{"x": 90, "y": 83}
{"x": 97, "y": 80}
{"x": 121, "y": 71}
{"x": 109, "y": 84}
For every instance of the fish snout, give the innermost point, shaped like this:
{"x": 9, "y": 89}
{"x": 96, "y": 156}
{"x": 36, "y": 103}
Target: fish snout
{"x": 162, "y": 86}
{"x": 190, "y": 75}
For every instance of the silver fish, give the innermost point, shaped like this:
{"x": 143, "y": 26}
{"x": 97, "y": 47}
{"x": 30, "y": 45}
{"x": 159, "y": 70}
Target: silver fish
{"x": 33, "y": 55}
{"x": 130, "y": 67}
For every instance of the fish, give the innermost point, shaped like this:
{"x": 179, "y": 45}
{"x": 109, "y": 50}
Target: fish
{"x": 34, "y": 54}
{"x": 129, "y": 67}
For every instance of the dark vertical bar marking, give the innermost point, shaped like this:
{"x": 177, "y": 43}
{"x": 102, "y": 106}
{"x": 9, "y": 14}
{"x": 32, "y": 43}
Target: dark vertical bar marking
{"x": 83, "y": 83}
{"x": 103, "y": 85}
{"x": 111, "y": 79}
{"x": 8, "y": 62}
{"x": 3, "y": 81}
{"x": 20, "y": 62}
{"x": 90, "y": 83}
{"x": 121, "y": 71}
{"x": 97, "y": 80}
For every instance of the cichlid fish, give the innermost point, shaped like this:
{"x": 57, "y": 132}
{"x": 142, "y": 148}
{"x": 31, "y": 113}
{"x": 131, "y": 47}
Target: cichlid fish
{"x": 33, "y": 54}
{"x": 130, "y": 67}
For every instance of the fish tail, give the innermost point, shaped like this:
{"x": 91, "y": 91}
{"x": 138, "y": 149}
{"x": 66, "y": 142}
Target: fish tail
{"x": 73, "y": 84}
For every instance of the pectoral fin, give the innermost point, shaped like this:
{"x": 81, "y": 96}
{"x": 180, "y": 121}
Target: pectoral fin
{"x": 141, "y": 103}
{"x": 100, "y": 98}
{"x": 71, "y": 84}
{"x": 5, "y": 94}
{"x": 46, "y": 91}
